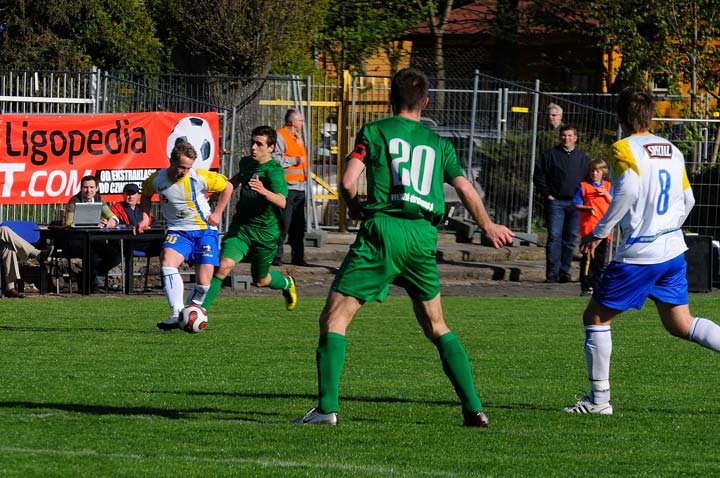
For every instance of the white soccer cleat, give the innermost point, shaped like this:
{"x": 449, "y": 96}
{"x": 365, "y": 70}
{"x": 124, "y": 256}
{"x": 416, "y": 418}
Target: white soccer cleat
{"x": 586, "y": 406}
{"x": 314, "y": 417}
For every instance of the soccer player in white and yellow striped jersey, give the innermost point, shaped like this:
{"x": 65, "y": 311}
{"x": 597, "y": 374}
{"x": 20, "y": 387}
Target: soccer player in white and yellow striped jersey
{"x": 192, "y": 225}
{"x": 652, "y": 199}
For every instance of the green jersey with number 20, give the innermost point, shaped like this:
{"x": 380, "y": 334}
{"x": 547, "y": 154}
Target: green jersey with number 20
{"x": 406, "y": 166}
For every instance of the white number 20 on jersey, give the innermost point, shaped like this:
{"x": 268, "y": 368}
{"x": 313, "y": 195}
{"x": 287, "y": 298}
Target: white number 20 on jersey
{"x": 412, "y": 167}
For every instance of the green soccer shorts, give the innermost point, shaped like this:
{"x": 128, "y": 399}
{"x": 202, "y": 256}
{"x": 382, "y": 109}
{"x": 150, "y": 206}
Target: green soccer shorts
{"x": 391, "y": 250}
{"x": 256, "y": 245}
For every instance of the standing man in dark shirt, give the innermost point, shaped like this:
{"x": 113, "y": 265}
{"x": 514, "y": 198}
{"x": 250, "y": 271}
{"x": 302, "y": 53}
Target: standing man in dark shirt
{"x": 557, "y": 175}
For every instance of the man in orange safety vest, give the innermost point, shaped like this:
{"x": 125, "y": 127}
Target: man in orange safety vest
{"x": 290, "y": 152}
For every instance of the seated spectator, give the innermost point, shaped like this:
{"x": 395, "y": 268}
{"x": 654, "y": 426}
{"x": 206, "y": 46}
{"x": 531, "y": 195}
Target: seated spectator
{"x": 128, "y": 210}
{"x": 14, "y": 249}
{"x": 129, "y": 213}
{"x": 105, "y": 255}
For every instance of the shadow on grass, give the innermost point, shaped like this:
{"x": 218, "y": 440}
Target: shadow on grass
{"x": 74, "y": 330}
{"x": 531, "y": 407}
{"x": 306, "y": 396}
{"x": 110, "y": 410}
{"x": 366, "y": 399}
{"x": 245, "y": 415}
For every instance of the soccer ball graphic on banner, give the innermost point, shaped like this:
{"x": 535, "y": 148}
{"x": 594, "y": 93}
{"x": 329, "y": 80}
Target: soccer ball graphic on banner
{"x": 193, "y": 319}
{"x": 197, "y": 132}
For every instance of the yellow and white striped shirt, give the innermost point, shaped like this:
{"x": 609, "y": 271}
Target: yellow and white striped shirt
{"x": 184, "y": 203}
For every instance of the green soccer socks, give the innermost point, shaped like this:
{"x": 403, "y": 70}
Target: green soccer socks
{"x": 215, "y": 286}
{"x": 330, "y": 358}
{"x": 457, "y": 368}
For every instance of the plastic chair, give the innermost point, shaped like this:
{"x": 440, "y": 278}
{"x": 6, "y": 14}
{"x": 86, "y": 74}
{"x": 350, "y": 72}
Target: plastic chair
{"x": 58, "y": 271}
{"x": 137, "y": 253}
{"x": 30, "y": 231}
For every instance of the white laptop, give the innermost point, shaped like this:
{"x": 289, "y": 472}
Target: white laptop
{"x": 87, "y": 214}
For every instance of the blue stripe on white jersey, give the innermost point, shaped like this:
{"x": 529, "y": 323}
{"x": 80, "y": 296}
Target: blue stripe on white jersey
{"x": 193, "y": 195}
{"x": 645, "y": 239}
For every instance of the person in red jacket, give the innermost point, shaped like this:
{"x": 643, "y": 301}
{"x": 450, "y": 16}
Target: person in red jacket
{"x": 128, "y": 210}
{"x": 129, "y": 213}
{"x": 592, "y": 199}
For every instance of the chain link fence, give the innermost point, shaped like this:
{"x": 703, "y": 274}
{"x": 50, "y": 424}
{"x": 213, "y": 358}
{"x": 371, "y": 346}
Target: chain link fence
{"x": 698, "y": 141}
{"x": 498, "y": 128}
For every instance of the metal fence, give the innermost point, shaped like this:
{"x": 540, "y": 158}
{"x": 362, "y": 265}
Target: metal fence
{"x": 698, "y": 141}
{"x": 498, "y": 128}
{"x": 87, "y": 93}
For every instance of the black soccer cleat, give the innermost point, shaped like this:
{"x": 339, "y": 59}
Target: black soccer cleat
{"x": 171, "y": 323}
{"x": 475, "y": 419}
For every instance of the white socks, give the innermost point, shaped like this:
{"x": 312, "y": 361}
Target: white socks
{"x": 173, "y": 288}
{"x": 706, "y": 333}
{"x": 598, "y": 348}
{"x": 197, "y": 295}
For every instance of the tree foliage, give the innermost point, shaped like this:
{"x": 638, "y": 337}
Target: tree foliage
{"x": 121, "y": 35}
{"x": 666, "y": 38}
{"x": 357, "y": 29}
{"x": 437, "y": 13}
{"x": 76, "y": 34}
{"x": 241, "y": 37}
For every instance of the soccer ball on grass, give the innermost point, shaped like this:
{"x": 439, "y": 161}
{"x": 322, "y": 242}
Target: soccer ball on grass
{"x": 193, "y": 319}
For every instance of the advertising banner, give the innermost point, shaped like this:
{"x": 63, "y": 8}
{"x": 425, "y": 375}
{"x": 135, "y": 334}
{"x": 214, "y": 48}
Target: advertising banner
{"x": 43, "y": 157}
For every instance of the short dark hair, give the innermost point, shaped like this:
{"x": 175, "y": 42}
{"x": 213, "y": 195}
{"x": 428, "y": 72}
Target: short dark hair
{"x": 408, "y": 90}
{"x": 634, "y": 109}
{"x": 266, "y": 131}
{"x": 89, "y": 177}
{"x": 567, "y": 127}
{"x": 182, "y": 148}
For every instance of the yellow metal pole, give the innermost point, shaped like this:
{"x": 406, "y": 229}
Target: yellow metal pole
{"x": 342, "y": 141}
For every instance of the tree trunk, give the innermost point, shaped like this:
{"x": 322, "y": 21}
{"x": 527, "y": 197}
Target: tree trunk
{"x": 439, "y": 72}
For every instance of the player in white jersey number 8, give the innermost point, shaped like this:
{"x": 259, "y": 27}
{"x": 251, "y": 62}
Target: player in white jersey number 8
{"x": 652, "y": 199}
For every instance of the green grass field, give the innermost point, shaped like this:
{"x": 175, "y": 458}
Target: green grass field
{"x": 89, "y": 387}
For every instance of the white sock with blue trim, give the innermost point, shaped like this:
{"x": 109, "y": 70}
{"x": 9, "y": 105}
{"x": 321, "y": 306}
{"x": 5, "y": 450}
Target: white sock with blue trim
{"x": 706, "y": 333}
{"x": 598, "y": 348}
{"x": 197, "y": 295}
{"x": 174, "y": 288}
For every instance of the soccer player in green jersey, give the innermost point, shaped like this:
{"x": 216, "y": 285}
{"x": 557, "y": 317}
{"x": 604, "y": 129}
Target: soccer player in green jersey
{"x": 406, "y": 165}
{"x": 254, "y": 228}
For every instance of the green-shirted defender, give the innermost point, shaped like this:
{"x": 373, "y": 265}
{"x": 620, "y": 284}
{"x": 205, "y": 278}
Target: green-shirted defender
{"x": 254, "y": 228}
{"x": 406, "y": 165}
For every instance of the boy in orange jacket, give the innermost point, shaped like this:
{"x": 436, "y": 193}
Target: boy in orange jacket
{"x": 592, "y": 199}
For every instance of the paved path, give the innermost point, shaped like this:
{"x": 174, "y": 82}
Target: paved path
{"x": 465, "y": 269}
